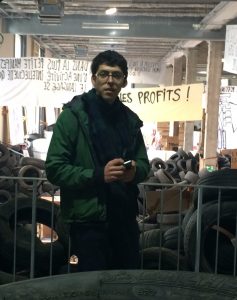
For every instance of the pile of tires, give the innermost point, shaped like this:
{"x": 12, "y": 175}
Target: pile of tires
{"x": 180, "y": 170}
{"x": 163, "y": 249}
{"x": 217, "y": 212}
{"x": 16, "y": 172}
{"x": 217, "y": 244}
{"x": 176, "y": 248}
{"x": 16, "y": 237}
{"x": 173, "y": 245}
{"x": 180, "y": 167}
{"x": 21, "y": 200}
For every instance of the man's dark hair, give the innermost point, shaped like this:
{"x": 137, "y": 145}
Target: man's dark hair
{"x": 110, "y": 58}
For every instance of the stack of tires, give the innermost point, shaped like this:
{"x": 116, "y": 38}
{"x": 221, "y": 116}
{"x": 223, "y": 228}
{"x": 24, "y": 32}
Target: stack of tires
{"x": 21, "y": 202}
{"x": 215, "y": 216}
{"x": 217, "y": 211}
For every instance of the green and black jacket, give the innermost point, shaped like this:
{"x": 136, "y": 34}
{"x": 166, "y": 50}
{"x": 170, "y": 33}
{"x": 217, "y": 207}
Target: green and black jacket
{"x": 70, "y": 163}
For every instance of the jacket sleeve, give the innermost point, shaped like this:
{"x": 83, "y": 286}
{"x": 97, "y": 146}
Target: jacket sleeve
{"x": 59, "y": 165}
{"x": 142, "y": 161}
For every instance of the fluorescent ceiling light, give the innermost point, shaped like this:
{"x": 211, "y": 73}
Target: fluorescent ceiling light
{"x": 202, "y": 72}
{"x": 111, "y": 11}
{"x": 122, "y": 26}
{"x": 108, "y": 41}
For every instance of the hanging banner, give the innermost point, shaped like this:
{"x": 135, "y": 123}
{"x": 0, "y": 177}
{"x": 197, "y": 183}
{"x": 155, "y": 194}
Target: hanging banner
{"x": 230, "y": 56}
{"x": 41, "y": 81}
{"x": 49, "y": 82}
{"x": 173, "y": 103}
{"x": 143, "y": 71}
{"x": 227, "y": 124}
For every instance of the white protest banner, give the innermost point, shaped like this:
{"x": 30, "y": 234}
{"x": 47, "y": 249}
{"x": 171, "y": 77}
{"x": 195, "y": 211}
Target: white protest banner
{"x": 172, "y": 103}
{"x": 230, "y": 56}
{"x": 41, "y": 81}
{"x": 38, "y": 81}
{"x": 227, "y": 124}
{"x": 142, "y": 71}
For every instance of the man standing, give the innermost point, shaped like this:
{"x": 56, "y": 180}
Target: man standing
{"x": 97, "y": 156}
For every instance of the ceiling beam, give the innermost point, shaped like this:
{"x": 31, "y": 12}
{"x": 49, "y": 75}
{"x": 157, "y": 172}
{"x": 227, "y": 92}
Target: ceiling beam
{"x": 141, "y": 27}
{"x": 222, "y": 14}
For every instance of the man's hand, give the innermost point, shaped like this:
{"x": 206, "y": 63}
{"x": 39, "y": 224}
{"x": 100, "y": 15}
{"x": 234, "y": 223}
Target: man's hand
{"x": 115, "y": 171}
{"x": 129, "y": 174}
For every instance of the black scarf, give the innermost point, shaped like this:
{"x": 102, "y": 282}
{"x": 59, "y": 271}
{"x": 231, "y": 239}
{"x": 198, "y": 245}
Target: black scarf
{"x": 113, "y": 138}
{"x": 109, "y": 129}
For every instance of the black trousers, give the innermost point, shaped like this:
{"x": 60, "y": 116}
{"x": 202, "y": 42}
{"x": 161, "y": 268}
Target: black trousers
{"x": 103, "y": 246}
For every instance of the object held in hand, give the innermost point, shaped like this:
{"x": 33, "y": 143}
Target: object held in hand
{"x": 127, "y": 164}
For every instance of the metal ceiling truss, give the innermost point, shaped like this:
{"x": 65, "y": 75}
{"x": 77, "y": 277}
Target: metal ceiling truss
{"x": 154, "y": 29}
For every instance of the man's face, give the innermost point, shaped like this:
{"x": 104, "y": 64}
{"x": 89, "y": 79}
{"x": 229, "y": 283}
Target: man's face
{"x": 108, "y": 82}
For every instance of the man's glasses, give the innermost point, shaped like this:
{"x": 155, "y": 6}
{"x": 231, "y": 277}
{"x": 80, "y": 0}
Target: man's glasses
{"x": 116, "y": 75}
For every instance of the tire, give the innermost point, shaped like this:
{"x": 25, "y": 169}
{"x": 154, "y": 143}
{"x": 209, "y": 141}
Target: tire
{"x": 164, "y": 177}
{"x": 208, "y": 236}
{"x": 4, "y": 196}
{"x": 163, "y": 258}
{"x": 167, "y": 221}
{"x": 150, "y": 181}
{"x": 6, "y": 183}
{"x": 190, "y": 155}
{"x": 15, "y": 171}
{"x": 197, "y": 157}
{"x": 8, "y": 277}
{"x": 171, "y": 167}
{"x": 151, "y": 238}
{"x": 183, "y": 154}
{"x": 181, "y": 175}
{"x": 191, "y": 177}
{"x": 147, "y": 226}
{"x": 12, "y": 162}
{"x": 175, "y": 157}
{"x": 29, "y": 171}
{"x": 168, "y": 218}
{"x": 192, "y": 165}
{"x": 49, "y": 188}
{"x": 4, "y": 155}
{"x": 33, "y": 161}
{"x": 124, "y": 285}
{"x": 187, "y": 216}
{"x": 23, "y": 238}
{"x": 173, "y": 239}
{"x": 157, "y": 164}
{"x": 181, "y": 165}
{"x": 225, "y": 177}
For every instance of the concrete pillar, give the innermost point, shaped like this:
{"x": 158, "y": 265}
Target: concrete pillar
{"x": 7, "y": 49}
{"x": 177, "y": 78}
{"x": 191, "y": 63}
{"x": 167, "y": 79}
{"x": 214, "y": 70}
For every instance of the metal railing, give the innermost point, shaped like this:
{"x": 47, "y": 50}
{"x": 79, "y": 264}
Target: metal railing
{"x": 223, "y": 224}
{"x": 50, "y": 218}
{"x": 21, "y": 211}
